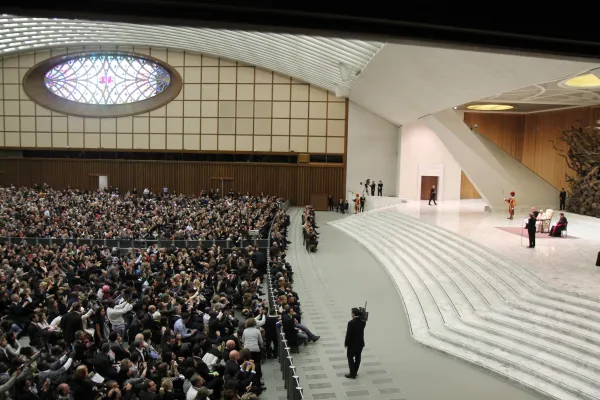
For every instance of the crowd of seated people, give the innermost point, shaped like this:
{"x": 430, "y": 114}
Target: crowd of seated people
{"x": 154, "y": 323}
{"x": 309, "y": 229}
{"x": 44, "y": 212}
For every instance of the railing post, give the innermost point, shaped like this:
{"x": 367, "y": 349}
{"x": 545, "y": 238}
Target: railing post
{"x": 291, "y": 387}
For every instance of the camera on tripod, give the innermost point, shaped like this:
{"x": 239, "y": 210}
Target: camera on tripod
{"x": 363, "y": 314}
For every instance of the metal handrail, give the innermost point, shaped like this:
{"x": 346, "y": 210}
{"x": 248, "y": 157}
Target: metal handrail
{"x": 125, "y": 244}
{"x": 289, "y": 373}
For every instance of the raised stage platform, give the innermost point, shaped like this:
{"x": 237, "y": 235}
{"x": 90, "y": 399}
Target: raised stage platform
{"x": 473, "y": 290}
{"x": 375, "y": 202}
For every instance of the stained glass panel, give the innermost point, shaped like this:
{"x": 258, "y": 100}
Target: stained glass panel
{"x": 107, "y": 79}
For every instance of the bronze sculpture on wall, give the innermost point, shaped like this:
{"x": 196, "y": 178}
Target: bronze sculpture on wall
{"x": 583, "y": 157}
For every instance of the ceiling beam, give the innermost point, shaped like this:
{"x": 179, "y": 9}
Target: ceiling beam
{"x": 525, "y": 32}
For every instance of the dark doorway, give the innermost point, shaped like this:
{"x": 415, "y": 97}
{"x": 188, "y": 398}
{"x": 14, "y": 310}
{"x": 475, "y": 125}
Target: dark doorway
{"x": 426, "y": 183}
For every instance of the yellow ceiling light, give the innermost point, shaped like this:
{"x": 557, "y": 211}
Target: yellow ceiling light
{"x": 583, "y": 81}
{"x": 490, "y": 107}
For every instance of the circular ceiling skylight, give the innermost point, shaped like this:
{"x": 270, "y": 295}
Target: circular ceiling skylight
{"x": 587, "y": 81}
{"x": 102, "y": 84}
{"x": 490, "y": 107}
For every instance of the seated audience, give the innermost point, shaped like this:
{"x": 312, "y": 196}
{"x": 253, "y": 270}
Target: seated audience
{"x": 147, "y": 323}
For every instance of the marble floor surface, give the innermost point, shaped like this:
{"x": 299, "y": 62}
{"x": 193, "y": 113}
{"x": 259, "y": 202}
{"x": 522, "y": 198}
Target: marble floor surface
{"x": 344, "y": 274}
{"x": 561, "y": 263}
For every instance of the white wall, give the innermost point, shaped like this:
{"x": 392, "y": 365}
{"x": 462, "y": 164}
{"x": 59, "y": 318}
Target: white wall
{"x": 421, "y": 154}
{"x": 491, "y": 170}
{"x": 372, "y": 150}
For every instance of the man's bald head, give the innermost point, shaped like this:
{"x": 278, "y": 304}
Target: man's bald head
{"x": 234, "y": 355}
{"x": 230, "y": 344}
{"x": 63, "y": 389}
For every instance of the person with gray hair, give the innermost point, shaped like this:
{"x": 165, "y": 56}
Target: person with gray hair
{"x": 252, "y": 340}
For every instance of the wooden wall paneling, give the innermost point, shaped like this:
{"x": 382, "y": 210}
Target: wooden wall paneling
{"x": 539, "y": 154}
{"x": 527, "y": 137}
{"x": 295, "y": 182}
{"x": 505, "y": 130}
{"x": 467, "y": 190}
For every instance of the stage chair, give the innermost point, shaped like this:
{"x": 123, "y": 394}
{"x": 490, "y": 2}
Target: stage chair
{"x": 564, "y": 232}
{"x": 547, "y": 221}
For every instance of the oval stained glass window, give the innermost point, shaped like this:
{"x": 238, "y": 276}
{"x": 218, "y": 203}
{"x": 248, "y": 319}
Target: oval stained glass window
{"x": 107, "y": 79}
{"x": 102, "y": 84}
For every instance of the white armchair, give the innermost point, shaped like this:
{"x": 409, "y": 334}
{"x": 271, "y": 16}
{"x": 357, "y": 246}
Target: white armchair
{"x": 547, "y": 220}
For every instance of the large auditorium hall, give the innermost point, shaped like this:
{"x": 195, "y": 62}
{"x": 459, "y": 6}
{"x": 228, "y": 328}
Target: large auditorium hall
{"x": 195, "y": 210}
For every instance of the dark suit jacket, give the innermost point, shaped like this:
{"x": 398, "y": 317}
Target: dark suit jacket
{"x": 70, "y": 323}
{"x": 531, "y": 225}
{"x": 289, "y": 328}
{"x": 271, "y": 326}
{"x": 144, "y": 395}
{"x": 355, "y": 334}
{"x": 103, "y": 366}
{"x": 18, "y": 313}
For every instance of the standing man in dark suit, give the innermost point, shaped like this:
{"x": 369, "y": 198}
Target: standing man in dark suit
{"x": 531, "y": 228}
{"x": 380, "y": 189}
{"x": 71, "y": 322}
{"x": 373, "y": 188}
{"x": 355, "y": 342}
{"x": 563, "y": 199}
{"x": 432, "y": 194}
{"x": 330, "y": 202}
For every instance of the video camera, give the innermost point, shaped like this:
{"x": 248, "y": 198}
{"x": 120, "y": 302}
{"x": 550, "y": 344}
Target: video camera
{"x": 363, "y": 314}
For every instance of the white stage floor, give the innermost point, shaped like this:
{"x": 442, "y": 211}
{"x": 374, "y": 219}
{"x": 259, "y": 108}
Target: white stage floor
{"x": 567, "y": 264}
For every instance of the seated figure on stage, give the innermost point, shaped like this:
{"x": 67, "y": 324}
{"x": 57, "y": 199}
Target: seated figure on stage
{"x": 540, "y": 220}
{"x": 512, "y": 203}
{"x": 560, "y": 226}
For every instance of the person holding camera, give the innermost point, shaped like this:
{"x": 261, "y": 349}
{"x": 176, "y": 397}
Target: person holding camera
{"x": 354, "y": 342}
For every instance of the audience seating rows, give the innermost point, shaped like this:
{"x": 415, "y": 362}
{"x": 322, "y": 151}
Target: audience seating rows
{"x": 152, "y": 323}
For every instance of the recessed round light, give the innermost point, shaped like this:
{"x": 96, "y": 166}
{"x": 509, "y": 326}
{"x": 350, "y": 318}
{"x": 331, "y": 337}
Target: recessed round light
{"x": 586, "y": 81}
{"x": 490, "y": 107}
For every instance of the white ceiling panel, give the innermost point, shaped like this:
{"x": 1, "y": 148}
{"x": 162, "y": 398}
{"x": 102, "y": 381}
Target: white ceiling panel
{"x": 315, "y": 60}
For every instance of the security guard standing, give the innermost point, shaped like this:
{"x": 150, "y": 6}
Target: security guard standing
{"x": 354, "y": 342}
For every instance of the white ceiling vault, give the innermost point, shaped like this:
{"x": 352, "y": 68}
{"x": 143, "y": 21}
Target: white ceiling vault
{"x": 549, "y": 93}
{"x": 330, "y": 63}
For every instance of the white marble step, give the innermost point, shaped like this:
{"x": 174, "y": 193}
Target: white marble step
{"x": 518, "y": 361}
{"x": 565, "y": 308}
{"x": 506, "y": 283}
{"x": 513, "y": 361}
{"x": 542, "y": 342}
{"x": 561, "y": 300}
{"x": 381, "y": 243}
{"x": 422, "y": 263}
{"x": 530, "y": 302}
{"x": 421, "y": 332}
{"x": 559, "y": 295}
{"x": 500, "y": 367}
{"x": 579, "y": 322}
{"x": 532, "y": 356}
{"x": 490, "y": 286}
{"x": 578, "y": 336}
{"x": 424, "y": 285}
{"x": 545, "y": 350}
{"x": 414, "y": 309}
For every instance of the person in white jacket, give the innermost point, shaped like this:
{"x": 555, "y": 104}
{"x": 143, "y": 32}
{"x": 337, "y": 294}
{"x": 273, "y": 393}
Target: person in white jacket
{"x": 115, "y": 316}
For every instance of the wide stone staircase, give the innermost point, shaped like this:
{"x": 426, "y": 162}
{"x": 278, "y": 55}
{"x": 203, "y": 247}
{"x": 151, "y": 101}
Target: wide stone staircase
{"x": 467, "y": 301}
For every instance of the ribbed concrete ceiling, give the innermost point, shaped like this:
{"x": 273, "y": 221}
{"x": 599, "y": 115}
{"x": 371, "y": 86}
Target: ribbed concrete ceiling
{"x": 315, "y": 60}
